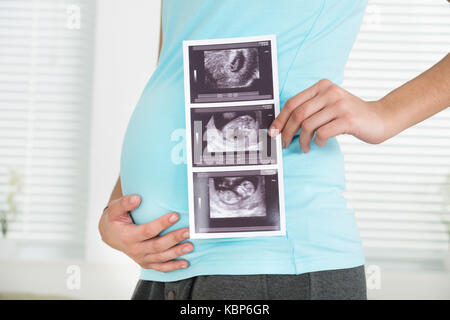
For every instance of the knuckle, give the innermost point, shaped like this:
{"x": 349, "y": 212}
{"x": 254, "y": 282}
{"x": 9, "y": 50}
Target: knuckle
{"x": 123, "y": 202}
{"x": 158, "y": 257}
{"x": 157, "y": 246}
{"x": 307, "y": 126}
{"x": 149, "y": 231}
{"x": 299, "y": 116}
{"x": 163, "y": 268}
{"x": 180, "y": 251}
{"x": 336, "y": 91}
{"x": 179, "y": 237}
{"x": 164, "y": 222}
{"x": 290, "y": 105}
{"x": 321, "y": 134}
{"x": 341, "y": 106}
{"x": 324, "y": 82}
{"x": 133, "y": 251}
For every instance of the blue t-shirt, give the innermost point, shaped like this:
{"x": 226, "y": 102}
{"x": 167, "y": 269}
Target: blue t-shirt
{"x": 314, "y": 39}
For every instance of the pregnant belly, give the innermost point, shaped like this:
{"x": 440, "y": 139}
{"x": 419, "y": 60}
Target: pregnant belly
{"x": 152, "y": 161}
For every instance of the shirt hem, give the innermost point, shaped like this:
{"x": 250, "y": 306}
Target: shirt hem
{"x": 301, "y": 266}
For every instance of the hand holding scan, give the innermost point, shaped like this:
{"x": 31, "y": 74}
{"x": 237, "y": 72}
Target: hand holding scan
{"x": 328, "y": 110}
{"x": 142, "y": 243}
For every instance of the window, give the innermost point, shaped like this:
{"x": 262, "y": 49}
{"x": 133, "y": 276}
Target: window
{"x": 399, "y": 190}
{"x": 46, "y": 51}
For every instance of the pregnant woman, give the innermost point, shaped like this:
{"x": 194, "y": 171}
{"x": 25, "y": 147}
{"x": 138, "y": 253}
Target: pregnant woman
{"x": 321, "y": 256}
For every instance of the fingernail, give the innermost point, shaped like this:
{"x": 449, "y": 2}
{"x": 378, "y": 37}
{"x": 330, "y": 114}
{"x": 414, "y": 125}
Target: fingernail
{"x": 186, "y": 235}
{"x": 134, "y": 199}
{"x": 173, "y": 218}
{"x": 187, "y": 249}
{"x": 273, "y": 132}
{"x": 184, "y": 265}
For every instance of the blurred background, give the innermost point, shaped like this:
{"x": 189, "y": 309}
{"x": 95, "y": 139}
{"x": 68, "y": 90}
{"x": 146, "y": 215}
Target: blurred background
{"x": 71, "y": 73}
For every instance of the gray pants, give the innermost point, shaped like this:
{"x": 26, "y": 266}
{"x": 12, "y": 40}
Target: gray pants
{"x": 339, "y": 284}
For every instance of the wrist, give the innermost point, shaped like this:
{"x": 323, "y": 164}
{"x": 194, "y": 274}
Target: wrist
{"x": 386, "y": 117}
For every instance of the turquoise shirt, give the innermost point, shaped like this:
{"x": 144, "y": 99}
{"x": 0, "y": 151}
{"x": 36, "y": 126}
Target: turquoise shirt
{"x": 314, "y": 39}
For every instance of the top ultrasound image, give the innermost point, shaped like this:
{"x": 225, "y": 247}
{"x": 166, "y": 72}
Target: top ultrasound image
{"x": 232, "y": 68}
{"x": 231, "y": 72}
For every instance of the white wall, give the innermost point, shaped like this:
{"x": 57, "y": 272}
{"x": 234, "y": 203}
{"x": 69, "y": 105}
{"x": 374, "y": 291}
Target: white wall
{"x": 126, "y": 45}
{"x": 127, "y": 40}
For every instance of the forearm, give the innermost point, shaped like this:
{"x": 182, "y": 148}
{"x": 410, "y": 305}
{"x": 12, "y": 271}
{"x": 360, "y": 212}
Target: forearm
{"x": 117, "y": 191}
{"x": 417, "y": 99}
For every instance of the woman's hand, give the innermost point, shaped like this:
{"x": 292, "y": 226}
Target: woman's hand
{"x": 142, "y": 243}
{"x": 328, "y": 110}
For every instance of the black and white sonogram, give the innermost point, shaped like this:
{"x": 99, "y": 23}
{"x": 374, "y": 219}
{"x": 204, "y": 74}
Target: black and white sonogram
{"x": 231, "y": 197}
{"x": 233, "y": 131}
{"x": 236, "y": 201}
{"x": 232, "y": 135}
{"x": 232, "y": 68}
{"x": 231, "y": 72}
{"x": 235, "y": 180}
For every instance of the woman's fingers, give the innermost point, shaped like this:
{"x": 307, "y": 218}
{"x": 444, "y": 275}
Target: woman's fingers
{"x": 302, "y": 114}
{"x": 293, "y": 103}
{"x": 314, "y": 122}
{"x": 165, "y": 242}
{"x": 167, "y": 266}
{"x": 152, "y": 229}
{"x": 170, "y": 254}
{"x": 312, "y": 109}
{"x": 330, "y": 130}
{"x": 117, "y": 208}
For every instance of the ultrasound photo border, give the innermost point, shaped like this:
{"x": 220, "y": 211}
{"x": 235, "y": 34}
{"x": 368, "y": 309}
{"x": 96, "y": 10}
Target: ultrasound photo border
{"x": 251, "y": 108}
{"x": 191, "y": 169}
{"x": 261, "y": 230}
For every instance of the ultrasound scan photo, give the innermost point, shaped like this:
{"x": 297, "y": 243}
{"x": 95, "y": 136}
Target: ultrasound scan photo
{"x": 232, "y": 97}
{"x": 233, "y": 131}
{"x": 231, "y": 68}
{"x": 237, "y": 197}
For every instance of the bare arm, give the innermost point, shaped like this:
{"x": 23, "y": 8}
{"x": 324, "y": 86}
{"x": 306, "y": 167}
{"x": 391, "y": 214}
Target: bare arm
{"x": 117, "y": 191}
{"x": 417, "y": 99}
{"x": 327, "y": 110}
{"x": 143, "y": 243}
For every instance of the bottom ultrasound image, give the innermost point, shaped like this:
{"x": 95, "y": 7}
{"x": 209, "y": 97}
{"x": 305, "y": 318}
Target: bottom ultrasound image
{"x": 231, "y": 197}
{"x": 236, "y": 201}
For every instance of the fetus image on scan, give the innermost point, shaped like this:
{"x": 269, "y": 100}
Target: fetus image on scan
{"x": 233, "y": 197}
{"x": 231, "y": 68}
{"x": 233, "y": 131}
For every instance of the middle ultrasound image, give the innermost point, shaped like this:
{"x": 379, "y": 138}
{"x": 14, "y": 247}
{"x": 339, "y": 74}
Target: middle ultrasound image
{"x": 232, "y": 136}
